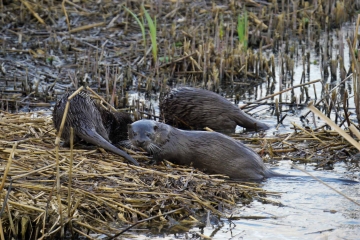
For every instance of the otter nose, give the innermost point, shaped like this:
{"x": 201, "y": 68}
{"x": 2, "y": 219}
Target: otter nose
{"x": 140, "y": 143}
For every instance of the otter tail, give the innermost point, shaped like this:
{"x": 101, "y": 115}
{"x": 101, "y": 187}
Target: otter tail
{"x": 244, "y": 120}
{"x": 93, "y": 137}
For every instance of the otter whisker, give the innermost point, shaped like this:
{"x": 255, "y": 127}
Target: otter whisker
{"x": 153, "y": 148}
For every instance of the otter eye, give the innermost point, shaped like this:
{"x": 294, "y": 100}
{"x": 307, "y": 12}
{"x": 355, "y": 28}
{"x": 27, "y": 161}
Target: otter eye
{"x": 148, "y": 134}
{"x": 156, "y": 128}
{"x": 134, "y": 133}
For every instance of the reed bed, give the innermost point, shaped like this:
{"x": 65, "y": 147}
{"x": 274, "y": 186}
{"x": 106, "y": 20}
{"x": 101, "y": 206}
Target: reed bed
{"x": 99, "y": 193}
{"x": 51, "y": 46}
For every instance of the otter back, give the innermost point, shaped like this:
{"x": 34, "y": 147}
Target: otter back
{"x": 192, "y": 108}
{"x": 211, "y": 152}
{"x": 85, "y": 118}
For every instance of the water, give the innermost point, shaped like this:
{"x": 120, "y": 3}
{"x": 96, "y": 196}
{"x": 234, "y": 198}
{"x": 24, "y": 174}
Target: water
{"x": 308, "y": 210}
{"x": 301, "y": 208}
{"x": 304, "y": 208}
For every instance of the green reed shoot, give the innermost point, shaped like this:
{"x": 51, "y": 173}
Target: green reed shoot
{"x": 243, "y": 29}
{"x": 152, "y": 28}
{"x": 221, "y": 27}
{"x": 140, "y": 24}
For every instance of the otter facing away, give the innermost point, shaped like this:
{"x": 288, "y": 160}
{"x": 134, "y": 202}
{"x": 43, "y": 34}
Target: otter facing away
{"x": 86, "y": 120}
{"x": 211, "y": 152}
{"x": 195, "y": 108}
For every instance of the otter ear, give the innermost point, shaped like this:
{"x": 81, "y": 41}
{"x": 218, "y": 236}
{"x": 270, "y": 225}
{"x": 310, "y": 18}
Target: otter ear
{"x": 155, "y": 128}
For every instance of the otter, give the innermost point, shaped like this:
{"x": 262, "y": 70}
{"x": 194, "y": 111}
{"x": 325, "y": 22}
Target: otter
{"x": 211, "y": 152}
{"x": 193, "y": 108}
{"x": 115, "y": 124}
{"x": 86, "y": 120}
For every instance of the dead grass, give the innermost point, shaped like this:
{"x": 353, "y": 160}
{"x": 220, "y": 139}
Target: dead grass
{"x": 105, "y": 194}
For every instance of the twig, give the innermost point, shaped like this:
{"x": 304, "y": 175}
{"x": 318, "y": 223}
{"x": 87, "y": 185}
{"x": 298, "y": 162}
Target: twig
{"x": 144, "y": 220}
{"x": 334, "y": 126}
{"x": 355, "y": 131}
{"x": 278, "y": 93}
{"x": 78, "y": 29}
{"x": 317, "y": 179}
{"x": 35, "y": 14}
{"x": 7, "y": 169}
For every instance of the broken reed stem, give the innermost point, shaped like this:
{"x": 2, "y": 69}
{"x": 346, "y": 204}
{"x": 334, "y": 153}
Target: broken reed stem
{"x": 307, "y": 132}
{"x": 78, "y": 29}
{"x": 355, "y": 131}
{"x": 12, "y": 225}
{"x": 356, "y": 31}
{"x": 57, "y": 143}
{"x": 1, "y": 231}
{"x": 319, "y": 180}
{"x": 334, "y": 126}
{"x": 7, "y": 169}
{"x": 285, "y": 90}
{"x": 101, "y": 98}
{"x": 35, "y": 14}
{"x": 70, "y": 173}
{"x": 37, "y": 170}
{"x": 66, "y": 15}
{"x": 144, "y": 220}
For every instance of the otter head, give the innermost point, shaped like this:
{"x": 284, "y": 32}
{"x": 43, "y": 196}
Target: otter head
{"x": 143, "y": 134}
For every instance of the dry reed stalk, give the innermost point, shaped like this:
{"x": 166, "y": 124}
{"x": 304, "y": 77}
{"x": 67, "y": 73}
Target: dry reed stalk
{"x": 334, "y": 126}
{"x": 70, "y": 174}
{"x": 305, "y": 131}
{"x": 57, "y": 143}
{"x": 65, "y": 13}
{"x": 355, "y": 131}
{"x": 2, "y": 237}
{"x": 285, "y": 90}
{"x": 319, "y": 180}
{"x": 102, "y": 99}
{"x": 12, "y": 226}
{"x": 90, "y": 26}
{"x": 7, "y": 169}
{"x": 35, "y": 14}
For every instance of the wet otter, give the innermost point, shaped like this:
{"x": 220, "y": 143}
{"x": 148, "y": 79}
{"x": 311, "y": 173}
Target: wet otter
{"x": 115, "y": 124}
{"x": 188, "y": 108}
{"x": 86, "y": 120}
{"x": 211, "y": 152}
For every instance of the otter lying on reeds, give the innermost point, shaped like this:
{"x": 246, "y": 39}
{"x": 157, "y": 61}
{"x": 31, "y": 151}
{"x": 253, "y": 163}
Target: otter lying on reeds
{"x": 211, "y": 152}
{"x": 87, "y": 121}
{"x": 193, "y": 108}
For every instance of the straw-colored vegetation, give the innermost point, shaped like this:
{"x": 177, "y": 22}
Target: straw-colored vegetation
{"x": 105, "y": 194}
{"x": 49, "y": 46}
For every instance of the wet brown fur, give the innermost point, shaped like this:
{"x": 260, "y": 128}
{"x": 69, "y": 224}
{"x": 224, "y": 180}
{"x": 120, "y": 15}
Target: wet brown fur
{"x": 211, "y": 152}
{"x": 86, "y": 120}
{"x": 193, "y": 108}
{"x": 115, "y": 124}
